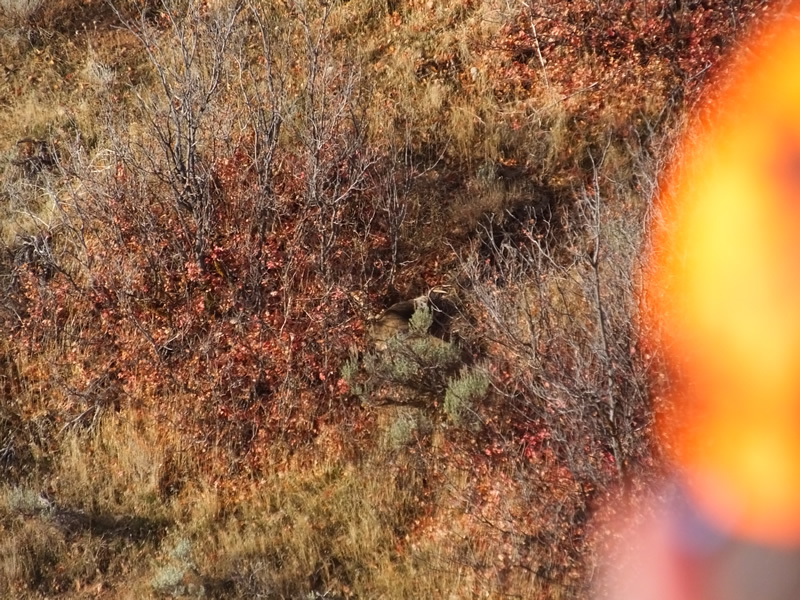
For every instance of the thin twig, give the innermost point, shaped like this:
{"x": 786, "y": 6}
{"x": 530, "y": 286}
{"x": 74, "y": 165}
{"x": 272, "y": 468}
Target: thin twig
{"x": 538, "y": 48}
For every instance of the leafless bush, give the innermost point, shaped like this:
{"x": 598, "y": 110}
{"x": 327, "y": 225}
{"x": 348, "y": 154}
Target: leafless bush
{"x": 220, "y": 221}
{"x": 556, "y": 303}
{"x": 182, "y": 125}
{"x": 329, "y": 122}
{"x": 564, "y": 322}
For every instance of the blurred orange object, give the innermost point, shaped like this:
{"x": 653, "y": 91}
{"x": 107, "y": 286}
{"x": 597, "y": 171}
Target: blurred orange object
{"x": 724, "y": 290}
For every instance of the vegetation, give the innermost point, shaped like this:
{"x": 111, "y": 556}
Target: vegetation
{"x": 204, "y": 202}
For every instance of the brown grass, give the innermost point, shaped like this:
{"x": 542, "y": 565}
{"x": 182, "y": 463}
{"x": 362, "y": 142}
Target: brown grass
{"x": 102, "y": 524}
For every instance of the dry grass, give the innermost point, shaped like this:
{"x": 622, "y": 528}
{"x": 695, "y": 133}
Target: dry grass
{"x": 102, "y": 524}
{"x": 18, "y": 12}
{"x": 89, "y": 521}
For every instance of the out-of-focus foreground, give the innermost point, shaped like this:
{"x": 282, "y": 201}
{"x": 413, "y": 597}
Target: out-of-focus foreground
{"x": 723, "y": 300}
{"x": 208, "y": 208}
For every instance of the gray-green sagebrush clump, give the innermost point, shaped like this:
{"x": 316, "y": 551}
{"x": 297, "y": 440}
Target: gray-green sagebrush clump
{"x": 463, "y": 393}
{"x": 174, "y": 577}
{"x": 416, "y": 368}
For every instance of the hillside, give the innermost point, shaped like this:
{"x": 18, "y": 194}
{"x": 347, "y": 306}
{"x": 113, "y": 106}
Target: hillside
{"x": 208, "y": 208}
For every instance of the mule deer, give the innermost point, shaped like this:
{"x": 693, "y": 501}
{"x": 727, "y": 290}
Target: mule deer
{"x": 397, "y": 318}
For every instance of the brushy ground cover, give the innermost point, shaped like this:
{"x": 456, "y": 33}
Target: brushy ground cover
{"x": 203, "y": 204}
